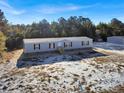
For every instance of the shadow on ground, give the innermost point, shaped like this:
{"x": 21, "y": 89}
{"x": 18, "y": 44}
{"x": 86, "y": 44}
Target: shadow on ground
{"x": 34, "y": 59}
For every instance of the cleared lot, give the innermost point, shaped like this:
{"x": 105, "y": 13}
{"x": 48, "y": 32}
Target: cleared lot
{"x": 74, "y": 72}
{"x": 110, "y": 47}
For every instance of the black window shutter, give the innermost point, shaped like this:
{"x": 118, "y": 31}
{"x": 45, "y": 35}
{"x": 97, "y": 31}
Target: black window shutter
{"x": 53, "y": 45}
{"x": 34, "y": 46}
{"x": 71, "y": 44}
{"x": 49, "y": 45}
{"x": 64, "y": 44}
{"x": 82, "y": 43}
{"x": 39, "y": 46}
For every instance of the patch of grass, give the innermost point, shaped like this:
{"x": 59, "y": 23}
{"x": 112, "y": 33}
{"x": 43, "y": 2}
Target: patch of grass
{"x": 56, "y": 78}
{"x": 98, "y": 67}
{"x": 4, "y": 76}
{"x": 76, "y": 75}
{"x": 42, "y": 79}
{"x": 46, "y": 89}
{"x": 75, "y": 79}
{"x": 85, "y": 69}
{"x": 52, "y": 68}
{"x": 49, "y": 79}
{"x": 101, "y": 60}
{"x": 90, "y": 75}
{"x": 94, "y": 71}
{"x": 16, "y": 72}
{"x": 88, "y": 89}
{"x": 105, "y": 91}
{"x": 72, "y": 82}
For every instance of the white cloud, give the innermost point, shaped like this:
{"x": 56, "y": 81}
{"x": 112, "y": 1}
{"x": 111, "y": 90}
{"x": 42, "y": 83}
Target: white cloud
{"x": 9, "y": 9}
{"x": 52, "y": 10}
{"x": 120, "y": 18}
{"x": 58, "y": 9}
{"x": 111, "y": 6}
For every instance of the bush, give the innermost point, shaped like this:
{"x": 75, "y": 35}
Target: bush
{"x": 10, "y": 43}
{"x": 104, "y": 37}
{"x": 61, "y": 50}
{"x": 2, "y": 42}
{"x": 14, "y": 43}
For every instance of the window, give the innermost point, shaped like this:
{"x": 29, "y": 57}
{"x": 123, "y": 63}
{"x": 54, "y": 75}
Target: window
{"x": 67, "y": 44}
{"x": 36, "y": 46}
{"x": 51, "y": 45}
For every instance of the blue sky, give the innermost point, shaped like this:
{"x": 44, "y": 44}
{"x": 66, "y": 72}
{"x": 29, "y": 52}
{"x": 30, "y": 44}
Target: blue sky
{"x": 28, "y": 11}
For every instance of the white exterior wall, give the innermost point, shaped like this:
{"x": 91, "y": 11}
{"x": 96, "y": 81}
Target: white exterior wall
{"x": 44, "y": 46}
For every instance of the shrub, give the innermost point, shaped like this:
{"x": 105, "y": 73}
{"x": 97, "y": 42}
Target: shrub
{"x": 14, "y": 43}
{"x": 2, "y": 43}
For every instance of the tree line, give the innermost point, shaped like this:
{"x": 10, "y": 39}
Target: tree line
{"x": 12, "y": 35}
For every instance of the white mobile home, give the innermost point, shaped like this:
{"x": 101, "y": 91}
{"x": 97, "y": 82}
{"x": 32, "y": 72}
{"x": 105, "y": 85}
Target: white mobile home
{"x": 116, "y": 39}
{"x": 52, "y": 44}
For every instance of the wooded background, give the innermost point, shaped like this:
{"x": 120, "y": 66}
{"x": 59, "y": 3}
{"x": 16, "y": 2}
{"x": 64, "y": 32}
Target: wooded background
{"x": 11, "y": 36}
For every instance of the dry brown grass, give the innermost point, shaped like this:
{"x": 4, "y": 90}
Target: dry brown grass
{"x": 55, "y": 69}
{"x": 117, "y": 89}
{"x": 101, "y": 60}
{"x": 56, "y": 78}
{"x": 113, "y": 58}
{"x": 16, "y": 72}
{"x": 75, "y": 75}
{"x": 104, "y": 51}
{"x": 7, "y": 56}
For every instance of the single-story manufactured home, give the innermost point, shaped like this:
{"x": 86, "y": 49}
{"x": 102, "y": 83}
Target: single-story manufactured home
{"x": 116, "y": 39}
{"x": 52, "y": 44}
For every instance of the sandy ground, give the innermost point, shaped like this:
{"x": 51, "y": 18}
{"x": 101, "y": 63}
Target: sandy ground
{"x": 109, "y": 47}
{"x": 94, "y": 71}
